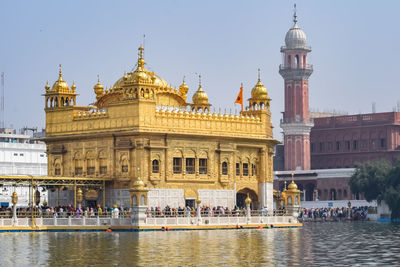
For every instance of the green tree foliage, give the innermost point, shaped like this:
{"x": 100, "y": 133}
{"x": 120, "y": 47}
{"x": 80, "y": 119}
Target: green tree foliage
{"x": 378, "y": 180}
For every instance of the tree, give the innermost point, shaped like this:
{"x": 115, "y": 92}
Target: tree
{"x": 369, "y": 179}
{"x": 378, "y": 180}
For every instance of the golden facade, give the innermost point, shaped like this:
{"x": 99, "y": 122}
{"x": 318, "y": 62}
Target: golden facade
{"x": 143, "y": 126}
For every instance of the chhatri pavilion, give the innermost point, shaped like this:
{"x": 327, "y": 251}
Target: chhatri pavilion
{"x": 142, "y": 127}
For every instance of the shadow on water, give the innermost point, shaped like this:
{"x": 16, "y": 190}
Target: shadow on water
{"x": 315, "y": 244}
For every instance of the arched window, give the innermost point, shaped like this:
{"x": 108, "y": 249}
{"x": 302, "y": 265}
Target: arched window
{"x": 142, "y": 200}
{"x": 289, "y": 200}
{"x": 56, "y": 102}
{"x": 296, "y": 61}
{"x": 62, "y": 101}
{"x": 57, "y": 169}
{"x": 289, "y": 60}
{"x": 67, "y": 101}
{"x": 296, "y": 200}
{"x": 224, "y": 168}
{"x": 134, "y": 200}
{"x": 156, "y": 166}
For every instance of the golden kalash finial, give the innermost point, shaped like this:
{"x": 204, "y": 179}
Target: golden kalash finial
{"x": 60, "y": 73}
{"x": 248, "y": 199}
{"x": 98, "y": 88}
{"x": 140, "y": 54}
{"x": 47, "y": 86}
{"x": 73, "y": 87}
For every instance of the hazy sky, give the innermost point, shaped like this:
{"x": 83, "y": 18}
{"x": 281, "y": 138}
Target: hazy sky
{"x": 355, "y": 53}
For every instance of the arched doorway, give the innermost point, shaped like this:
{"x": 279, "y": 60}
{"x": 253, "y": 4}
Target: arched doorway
{"x": 241, "y": 196}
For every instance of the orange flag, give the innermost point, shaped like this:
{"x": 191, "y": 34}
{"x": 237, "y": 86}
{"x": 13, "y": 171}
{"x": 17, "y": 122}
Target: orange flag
{"x": 239, "y": 98}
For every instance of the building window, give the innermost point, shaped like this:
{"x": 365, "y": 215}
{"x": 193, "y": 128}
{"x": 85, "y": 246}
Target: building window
{"x": 337, "y": 145}
{"x": 330, "y": 146}
{"x": 224, "y": 168}
{"x": 202, "y": 166}
{"x": 41, "y": 155}
{"x": 355, "y": 144}
{"x": 245, "y": 169}
{"x": 57, "y": 170}
{"x": 237, "y": 169}
{"x": 312, "y": 147}
{"x": 347, "y": 145}
{"x": 383, "y": 143}
{"x": 156, "y": 166}
{"x": 124, "y": 168}
{"x": 103, "y": 169}
{"x": 253, "y": 170}
{"x": 78, "y": 170}
{"x": 177, "y": 165}
{"x": 15, "y": 154}
{"x": 21, "y": 154}
{"x": 321, "y": 147}
{"x": 90, "y": 170}
{"x": 190, "y": 165}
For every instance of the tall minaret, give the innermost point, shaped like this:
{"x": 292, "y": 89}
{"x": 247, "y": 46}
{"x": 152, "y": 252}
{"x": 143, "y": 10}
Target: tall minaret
{"x": 296, "y": 123}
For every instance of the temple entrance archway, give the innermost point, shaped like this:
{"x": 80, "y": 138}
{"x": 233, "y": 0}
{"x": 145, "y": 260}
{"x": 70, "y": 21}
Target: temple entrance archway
{"x": 241, "y": 196}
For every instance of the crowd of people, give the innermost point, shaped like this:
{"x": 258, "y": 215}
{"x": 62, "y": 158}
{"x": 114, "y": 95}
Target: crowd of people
{"x": 66, "y": 211}
{"x": 188, "y": 211}
{"x": 334, "y": 214}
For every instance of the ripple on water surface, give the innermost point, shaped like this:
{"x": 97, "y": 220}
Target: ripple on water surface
{"x": 315, "y": 244}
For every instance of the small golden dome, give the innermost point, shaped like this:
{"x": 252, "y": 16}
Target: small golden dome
{"x": 248, "y": 200}
{"x": 138, "y": 184}
{"x": 200, "y": 97}
{"x": 292, "y": 186}
{"x": 60, "y": 84}
{"x": 259, "y": 91}
{"x": 98, "y": 88}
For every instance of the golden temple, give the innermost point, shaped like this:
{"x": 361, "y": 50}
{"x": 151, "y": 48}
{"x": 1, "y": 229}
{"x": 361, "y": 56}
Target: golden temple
{"x": 182, "y": 150}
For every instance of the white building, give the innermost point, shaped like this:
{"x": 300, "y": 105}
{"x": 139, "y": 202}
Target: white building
{"x": 20, "y": 154}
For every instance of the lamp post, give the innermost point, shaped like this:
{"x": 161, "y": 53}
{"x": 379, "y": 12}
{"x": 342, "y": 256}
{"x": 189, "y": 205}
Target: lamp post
{"x": 248, "y": 202}
{"x": 198, "y": 202}
{"x": 79, "y": 197}
{"x": 14, "y": 200}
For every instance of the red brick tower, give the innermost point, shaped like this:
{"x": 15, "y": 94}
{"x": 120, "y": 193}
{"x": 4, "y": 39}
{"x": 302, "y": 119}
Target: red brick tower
{"x": 296, "y": 123}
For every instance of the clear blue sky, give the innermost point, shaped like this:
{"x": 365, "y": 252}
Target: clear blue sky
{"x": 355, "y": 46}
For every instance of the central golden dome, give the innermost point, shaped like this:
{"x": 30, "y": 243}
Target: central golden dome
{"x": 142, "y": 75}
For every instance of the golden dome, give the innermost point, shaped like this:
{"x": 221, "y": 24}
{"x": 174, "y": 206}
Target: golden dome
{"x": 200, "y": 97}
{"x": 259, "y": 91}
{"x": 98, "y": 88}
{"x": 292, "y": 186}
{"x": 60, "y": 84}
{"x": 141, "y": 75}
{"x": 247, "y": 200}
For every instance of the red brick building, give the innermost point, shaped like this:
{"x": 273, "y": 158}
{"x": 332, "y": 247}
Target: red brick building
{"x": 343, "y": 141}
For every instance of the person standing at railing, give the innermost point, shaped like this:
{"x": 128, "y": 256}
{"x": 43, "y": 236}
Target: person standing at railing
{"x": 99, "y": 211}
{"x": 115, "y": 212}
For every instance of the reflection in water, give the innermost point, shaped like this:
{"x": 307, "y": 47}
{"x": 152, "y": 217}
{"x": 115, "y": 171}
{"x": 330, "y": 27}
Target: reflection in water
{"x": 316, "y": 244}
